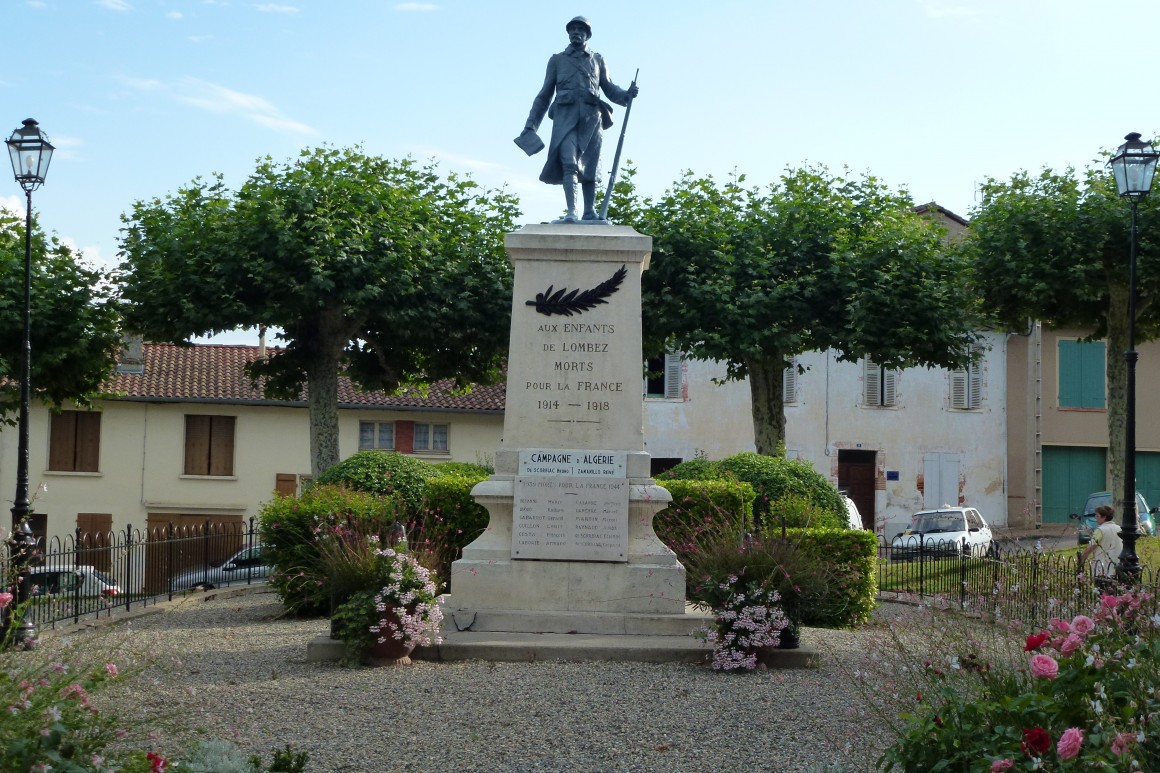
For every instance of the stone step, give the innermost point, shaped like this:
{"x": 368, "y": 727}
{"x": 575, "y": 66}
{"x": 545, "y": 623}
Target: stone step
{"x": 533, "y": 647}
{"x": 573, "y": 623}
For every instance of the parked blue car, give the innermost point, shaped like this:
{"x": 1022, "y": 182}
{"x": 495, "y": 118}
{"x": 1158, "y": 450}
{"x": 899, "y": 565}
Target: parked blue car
{"x": 1087, "y": 519}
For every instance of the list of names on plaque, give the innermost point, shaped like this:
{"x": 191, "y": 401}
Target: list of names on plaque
{"x": 571, "y": 518}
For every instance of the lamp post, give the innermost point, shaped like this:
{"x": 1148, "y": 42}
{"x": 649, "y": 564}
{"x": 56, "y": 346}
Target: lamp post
{"x": 31, "y": 153}
{"x": 1133, "y": 166}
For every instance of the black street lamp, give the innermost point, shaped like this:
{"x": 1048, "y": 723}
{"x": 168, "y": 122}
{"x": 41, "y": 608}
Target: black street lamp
{"x": 1133, "y": 166}
{"x": 31, "y": 153}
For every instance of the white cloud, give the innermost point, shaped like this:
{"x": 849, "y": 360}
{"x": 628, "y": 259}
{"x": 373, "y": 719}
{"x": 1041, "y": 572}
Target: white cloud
{"x": 276, "y": 8}
{"x": 66, "y": 145}
{"x": 14, "y": 204}
{"x": 451, "y": 159}
{"x": 175, "y": 15}
{"x": 219, "y": 99}
{"x": 115, "y": 5}
{"x": 412, "y": 7}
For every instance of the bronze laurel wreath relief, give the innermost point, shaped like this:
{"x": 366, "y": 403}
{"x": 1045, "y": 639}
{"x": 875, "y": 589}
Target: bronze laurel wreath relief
{"x": 576, "y": 302}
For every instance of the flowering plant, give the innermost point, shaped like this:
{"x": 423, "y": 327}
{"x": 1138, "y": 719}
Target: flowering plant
{"x": 402, "y": 606}
{"x": 1079, "y": 694}
{"x": 748, "y": 618}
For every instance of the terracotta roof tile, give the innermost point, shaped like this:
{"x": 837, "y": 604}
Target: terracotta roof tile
{"x": 214, "y": 373}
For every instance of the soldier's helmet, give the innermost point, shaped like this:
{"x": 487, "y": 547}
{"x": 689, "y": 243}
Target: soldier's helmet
{"x": 581, "y": 21}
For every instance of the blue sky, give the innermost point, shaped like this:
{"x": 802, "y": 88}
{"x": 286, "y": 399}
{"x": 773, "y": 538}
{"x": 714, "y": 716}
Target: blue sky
{"x": 141, "y": 96}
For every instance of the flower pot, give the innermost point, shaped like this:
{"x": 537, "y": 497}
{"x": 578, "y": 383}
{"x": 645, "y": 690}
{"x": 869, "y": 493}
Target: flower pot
{"x": 790, "y": 639}
{"x": 390, "y": 651}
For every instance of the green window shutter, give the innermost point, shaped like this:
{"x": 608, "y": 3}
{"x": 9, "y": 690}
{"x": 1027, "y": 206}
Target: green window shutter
{"x": 1081, "y": 374}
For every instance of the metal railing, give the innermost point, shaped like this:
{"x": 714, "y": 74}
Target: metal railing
{"x": 1003, "y": 582}
{"x": 94, "y": 574}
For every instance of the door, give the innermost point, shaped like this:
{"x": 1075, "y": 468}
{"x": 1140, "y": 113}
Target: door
{"x": 95, "y": 539}
{"x": 1070, "y": 474}
{"x": 940, "y": 480}
{"x": 856, "y": 476}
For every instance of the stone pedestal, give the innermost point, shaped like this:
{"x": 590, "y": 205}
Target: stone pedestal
{"x": 575, "y": 406}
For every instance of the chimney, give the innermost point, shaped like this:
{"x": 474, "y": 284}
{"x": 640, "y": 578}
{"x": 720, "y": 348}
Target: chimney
{"x": 132, "y": 359}
{"x": 261, "y": 342}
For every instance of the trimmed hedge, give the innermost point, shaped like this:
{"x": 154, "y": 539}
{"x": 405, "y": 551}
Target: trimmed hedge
{"x": 385, "y": 473}
{"x": 450, "y": 518}
{"x": 850, "y": 556}
{"x": 468, "y": 469}
{"x": 288, "y": 528}
{"x": 701, "y": 510}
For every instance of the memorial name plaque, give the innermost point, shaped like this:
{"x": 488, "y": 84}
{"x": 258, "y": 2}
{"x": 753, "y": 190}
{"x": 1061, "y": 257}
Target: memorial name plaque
{"x": 571, "y": 505}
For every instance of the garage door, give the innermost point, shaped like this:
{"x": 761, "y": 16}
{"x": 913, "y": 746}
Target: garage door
{"x": 1069, "y": 475}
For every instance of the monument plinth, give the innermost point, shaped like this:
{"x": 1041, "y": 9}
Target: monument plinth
{"x": 572, "y": 499}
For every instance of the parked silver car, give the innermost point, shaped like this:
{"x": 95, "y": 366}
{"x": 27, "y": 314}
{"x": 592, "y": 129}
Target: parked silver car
{"x": 242, "y": 567}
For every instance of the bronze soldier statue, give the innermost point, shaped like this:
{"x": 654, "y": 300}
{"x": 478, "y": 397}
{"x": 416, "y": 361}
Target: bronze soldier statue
{"x": 576, "y": 76}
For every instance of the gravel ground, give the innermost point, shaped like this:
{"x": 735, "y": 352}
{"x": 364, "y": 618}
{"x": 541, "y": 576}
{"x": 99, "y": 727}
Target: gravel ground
{"x": 233, "y": 668}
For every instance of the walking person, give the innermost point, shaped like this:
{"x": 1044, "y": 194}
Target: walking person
{"x": 1105, "y": 546}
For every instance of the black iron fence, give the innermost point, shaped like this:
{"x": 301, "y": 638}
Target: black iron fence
{"x": 1003, "y": 582}
{"x": 87, "y": 574}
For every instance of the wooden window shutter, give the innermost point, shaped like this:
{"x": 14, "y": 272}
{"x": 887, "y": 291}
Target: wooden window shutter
{"x": 221, "y": 449}
{"x": 673, "y": 375}
{"x": 88, "y": 442}
{"x": 405, "y": 437}
{"x": 889, "y": 387}
{"x": 62, "y": 441}
{"x": 197, "y": 445}
{"x": 789, "y": 382}
{"x": 975, "y": 385}
{"x": 959, "y": 397}
{"x": 871, "y": 383}
{"x": 285, "y": 484}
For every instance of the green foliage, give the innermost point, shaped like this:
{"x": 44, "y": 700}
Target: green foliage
{"x": 692, "y": 469}
{"x": 775, "y": 478}
{"x": 377, "y": 268}
{"x": 751, "y": 277}
{"x": 467, "y": 469}
{"x": 408, "y": 592}
{"x": 979, "y": 697}
{"x": 450, "y": 519}
{"x": 74, "y": 322}
{"x": 701, "y": 509}
{"x": 850, "y": 560}
{"x": 384, "y": 473}
{"x": 796, "y": 512}
{"x": 290, "y": 527}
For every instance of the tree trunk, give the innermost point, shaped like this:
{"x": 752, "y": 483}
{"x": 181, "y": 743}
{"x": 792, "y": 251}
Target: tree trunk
{"x": 1117, "y": 375}
{"x": 767, "y": 394}
{"x": 326, "y": 348}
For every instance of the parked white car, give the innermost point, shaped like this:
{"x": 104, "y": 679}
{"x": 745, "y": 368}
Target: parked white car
{"x": 947, "y": 531}
{"x": 67, "y": 580}
{"x": 852, "y": 514}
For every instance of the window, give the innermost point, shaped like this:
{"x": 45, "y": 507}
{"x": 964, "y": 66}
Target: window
{"x": 967, "y": 386}
{"x": 209, "y": 445}
{"x": 74, "y": 443}
{"x": 878, "y": 385}
{"x": 663, "y": 376}
{"x": 431, "y": 438}
{"x": 1081, "y": 374}
{"x": 376, "y": 435}
{"x": 789, "y": 381}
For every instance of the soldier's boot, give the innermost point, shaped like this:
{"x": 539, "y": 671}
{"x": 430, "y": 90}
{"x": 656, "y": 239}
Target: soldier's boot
{"x": 589, "y": 189}
{"x": 569, "y": 197}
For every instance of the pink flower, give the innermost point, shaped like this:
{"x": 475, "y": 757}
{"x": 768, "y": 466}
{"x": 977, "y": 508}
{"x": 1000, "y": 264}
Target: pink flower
{"x": 1003, "y": 764}
{"x": 111, "y": 669}
{"x": 1044, "y": 667}
{"x": 1060, "y": 625}
{"x": 1121, "y": 743}
{"x": 1072, "y": 643}
{"x": 5, "y": 599}
{"x": 1069, "y": 743}
{"x": 1083, "y": 625}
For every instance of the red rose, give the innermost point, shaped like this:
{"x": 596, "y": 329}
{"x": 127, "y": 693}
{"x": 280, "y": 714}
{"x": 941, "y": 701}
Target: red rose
{"x": 1036, "y": 741}
{"x": 1035, "y": 641}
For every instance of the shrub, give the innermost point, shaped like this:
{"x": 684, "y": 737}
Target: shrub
{"x": 796, "y": 512}
{"x": 289, "y": 528}
{"x": 850, "y": 559}
{"x": 775, "y": 478}
{"x": 694, "y": 469}
{"x": 467, "y": 469}
{"x": 700, "y": 510}
{"x": 449, "y": 520}
{"x": 385, "y": 473}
